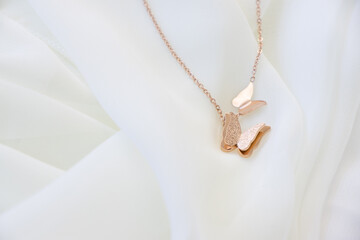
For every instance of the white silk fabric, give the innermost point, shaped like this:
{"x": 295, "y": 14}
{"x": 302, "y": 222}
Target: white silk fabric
{"x": 104, "y": 136}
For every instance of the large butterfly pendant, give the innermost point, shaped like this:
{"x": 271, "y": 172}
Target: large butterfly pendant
{"x": 233, "y": 138}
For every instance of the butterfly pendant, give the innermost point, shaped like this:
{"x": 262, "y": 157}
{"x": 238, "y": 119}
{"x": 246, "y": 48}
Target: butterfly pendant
{"x": 233, "y": 138}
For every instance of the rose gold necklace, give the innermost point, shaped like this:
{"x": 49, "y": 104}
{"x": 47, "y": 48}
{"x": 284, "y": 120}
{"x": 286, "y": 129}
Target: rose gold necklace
{"x": 233, "y": 138}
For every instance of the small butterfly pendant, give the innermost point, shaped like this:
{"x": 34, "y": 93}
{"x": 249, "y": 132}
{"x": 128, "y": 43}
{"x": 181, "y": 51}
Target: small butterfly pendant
{"x": 233, "y": 138}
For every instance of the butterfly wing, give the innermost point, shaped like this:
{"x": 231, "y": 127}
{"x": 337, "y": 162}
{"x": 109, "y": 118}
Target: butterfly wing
{"x": 231, "y": 132}
{"x": 251, "y": 106}
{"x": 247, "y": 138}
{"x": 244, "y": 96}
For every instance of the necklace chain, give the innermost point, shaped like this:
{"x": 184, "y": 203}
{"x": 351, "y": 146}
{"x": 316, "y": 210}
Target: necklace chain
{"x": 187, "y": 70}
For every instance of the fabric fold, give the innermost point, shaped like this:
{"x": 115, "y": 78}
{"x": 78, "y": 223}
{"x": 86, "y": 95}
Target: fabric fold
{"x": 174, "y": 165}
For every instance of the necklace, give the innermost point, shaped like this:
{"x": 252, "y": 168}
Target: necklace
{"x": 233, "y": 138}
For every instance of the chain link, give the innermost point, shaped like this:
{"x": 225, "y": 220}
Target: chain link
{"x": 187, "y": 70}
{"x": 259, "y": 40}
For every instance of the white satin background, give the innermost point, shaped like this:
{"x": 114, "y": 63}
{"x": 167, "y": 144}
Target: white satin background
{"x": 103, "y": 136}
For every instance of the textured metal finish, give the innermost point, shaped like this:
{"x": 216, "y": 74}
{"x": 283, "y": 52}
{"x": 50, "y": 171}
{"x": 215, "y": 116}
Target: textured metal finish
{"x": 249, "y": 136}
{"x": 255, "y": 142}
{"x": 232, "y": 137}
{"x": 231, "y": 132}
{"x": 245, "y": 142}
